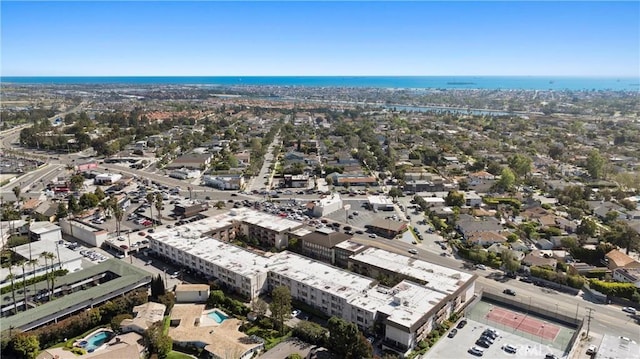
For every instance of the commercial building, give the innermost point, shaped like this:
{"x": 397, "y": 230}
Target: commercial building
{"x": 387, "y": 228}
{"x": 320, "y": 244}
{"x": 186, "y": 210}
{"x": 380, "y": 203}
{"x": 327, "y": 205}
{"x": 191, "y": 161}
{"x": 183, "y": 174}
{"x": 296, "y": 181}
{"x": 84, "y": 232}
{"x": 228, "y": 182}
{"x": 107, "y": 179}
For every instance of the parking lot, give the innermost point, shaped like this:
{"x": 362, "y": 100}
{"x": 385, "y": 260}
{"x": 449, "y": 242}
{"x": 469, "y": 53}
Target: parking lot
{"x": 466, "y": 338}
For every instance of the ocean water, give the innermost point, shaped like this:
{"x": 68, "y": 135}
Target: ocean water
{"x": 410, "y": 82}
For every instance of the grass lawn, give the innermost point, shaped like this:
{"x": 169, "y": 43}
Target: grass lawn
{"x": 177, "y": 355}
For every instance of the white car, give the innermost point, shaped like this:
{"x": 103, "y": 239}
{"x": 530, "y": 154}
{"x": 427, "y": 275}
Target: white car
{"x": 592, "y": 349}
{"x": 413, "y": 251}
{"x": 295, "y": 313}
{"x": 630, "y": 310}
{"x": 481, "y": 266}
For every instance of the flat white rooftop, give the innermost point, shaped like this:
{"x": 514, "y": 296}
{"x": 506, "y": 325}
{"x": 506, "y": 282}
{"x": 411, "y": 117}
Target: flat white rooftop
{"x": 404, "y": 304}
{"x": 350, "y": 246}
{"x": 329, "y": 200}
{"x": 439, "y": 278}
{"x": 264, "y": 220}
{"x": 329, "y": 279}
{"x": 211, "y": 250}
{"x": 43, "y": 227}
{"x": 380, "y": 200}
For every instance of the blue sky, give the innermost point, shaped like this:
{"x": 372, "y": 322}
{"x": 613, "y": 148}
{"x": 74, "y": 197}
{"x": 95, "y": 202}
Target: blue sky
{"x": 320, "y": 38}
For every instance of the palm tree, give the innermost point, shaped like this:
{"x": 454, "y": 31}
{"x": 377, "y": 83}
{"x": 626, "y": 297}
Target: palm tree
{"x": 159, "y": 203}
{"x": 119, "y": 214}
{"x": 33, "y": 263}
{"x": 51, "y": 275}
{"x": 22, "y": 263}
{"x": 151, "y": 198}
{"x": 11, "y": 277}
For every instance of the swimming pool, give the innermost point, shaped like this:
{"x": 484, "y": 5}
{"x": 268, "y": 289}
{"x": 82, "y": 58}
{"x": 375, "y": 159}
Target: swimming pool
{"x": 217, "y": 316}
{"x": 96, "y": 340}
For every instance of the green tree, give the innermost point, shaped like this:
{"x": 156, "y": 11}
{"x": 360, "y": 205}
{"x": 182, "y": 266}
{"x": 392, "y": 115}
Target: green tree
{"x": 395, "y": 192}
{"x": 72, "y": 205}
{"x": 507, "y": 180}
{"x": 76, "y": 182}
{"x": 520, "y": 164}
{"x": 587, "y": 228}
{"x": 259, "y": 306}
{"x": 88, "y": 200}
{"x": 61, "y": 212}
{"x": 157, "y": 342}
{"x": 99, "y": 193}
{"x": 151, "y": 198}
{"x": 16, "y": 191}
{"x": 509, "y": 261}
{"x": 117, "y": 320}
{"x": 157, "y": 287}
{"x": 280, "y": 306}
{"x": 595, "y": 164}
{"x": 455, "y": 199}
{"x": 346, "y": 340}
{"x": 26, "y": 345}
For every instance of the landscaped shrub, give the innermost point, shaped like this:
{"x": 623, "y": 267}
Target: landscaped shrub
{"x": 615, "y": 289}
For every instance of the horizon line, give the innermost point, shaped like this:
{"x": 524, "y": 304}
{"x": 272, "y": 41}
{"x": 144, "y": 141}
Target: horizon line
{"x": 344, "y": 75}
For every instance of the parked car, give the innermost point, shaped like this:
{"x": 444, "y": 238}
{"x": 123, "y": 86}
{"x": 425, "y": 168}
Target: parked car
{"x": 295, "y": 313}
{"x": 462, "y": 323}
{"x": 509, "y": 291}
{"x": 481, "y": 266}
{"x": 592, "y": 350}
{"x": 476, "y": 351}
{"x": 453, "y": 333}
{"x": 483, "y": 343}
{"x": 550, "y": 356}
{"x": 413, "y": 251}
{"x": 491, "y": 332}
{"x": 509, "y": 348}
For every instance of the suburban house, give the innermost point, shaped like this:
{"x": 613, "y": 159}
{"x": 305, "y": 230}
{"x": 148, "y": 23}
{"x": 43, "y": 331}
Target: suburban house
{"x": 145, "y": 315}
{"x": 486, "y": 238}
{"x": 616, "y": 259}
{"x": 468, "y": 225}
{"x": 539, "y": 259}
{"x": 627, "y": 275}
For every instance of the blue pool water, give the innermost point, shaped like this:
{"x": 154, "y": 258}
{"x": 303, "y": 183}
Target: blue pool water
{"x": 96, "y": 340}
{"x": 217, "y": 316}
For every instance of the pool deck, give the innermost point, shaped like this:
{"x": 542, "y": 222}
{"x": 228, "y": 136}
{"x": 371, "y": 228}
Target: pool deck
{"x": 120, "y": 346}
{"x": 195, "y": 326}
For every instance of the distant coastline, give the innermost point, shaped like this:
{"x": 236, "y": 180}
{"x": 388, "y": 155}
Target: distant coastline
{"x": 540, "y": 83}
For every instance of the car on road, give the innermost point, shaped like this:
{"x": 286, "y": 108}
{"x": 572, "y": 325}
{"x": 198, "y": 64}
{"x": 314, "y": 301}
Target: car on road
{"x": 526, "y": 280}
{"x": 373, "y": 235}
{"x": 550, "y": 356}
{"x": 462, "y": 323}
{"x": 413, "y": 251}
{"x": 630, "y": 310}
{"x": 443, "y": 247}
{"x": 476, "y": 351}
{"x": 509, "y": 291}
{"x": 509, "y": 348}
{"x": 359, "y": 232}
{"x": 481, "y": 267}
{"x": 453, "y": 333}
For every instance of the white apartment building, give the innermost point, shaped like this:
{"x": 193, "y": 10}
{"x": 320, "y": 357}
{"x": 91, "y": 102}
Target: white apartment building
{"x": 268, "y": 229}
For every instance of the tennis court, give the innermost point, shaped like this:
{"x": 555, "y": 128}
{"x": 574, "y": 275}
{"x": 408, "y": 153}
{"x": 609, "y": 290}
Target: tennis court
{"x": 523, "y": 322}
